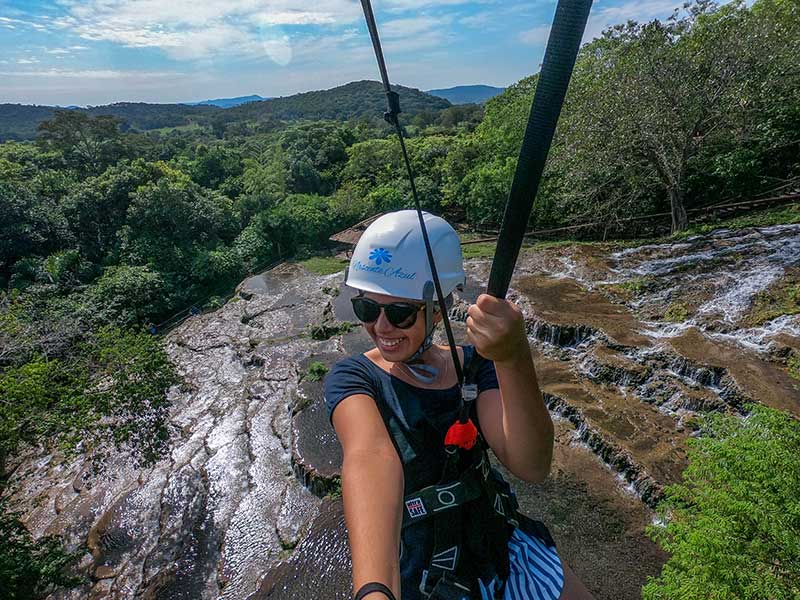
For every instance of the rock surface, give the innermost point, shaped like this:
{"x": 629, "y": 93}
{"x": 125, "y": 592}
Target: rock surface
{"x": 229, "y": 514}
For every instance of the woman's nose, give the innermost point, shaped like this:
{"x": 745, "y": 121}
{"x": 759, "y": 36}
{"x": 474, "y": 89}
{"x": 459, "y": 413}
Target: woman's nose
{"x": 383, "y": 324}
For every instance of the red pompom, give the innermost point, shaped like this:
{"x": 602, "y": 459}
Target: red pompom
{"x": 463, "y": 435}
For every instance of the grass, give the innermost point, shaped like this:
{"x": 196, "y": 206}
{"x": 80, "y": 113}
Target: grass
{"x": 780, "y": 215}
{"x": 315, "y": 371}
{"x": 325, "y": 331}
{"x": 193, "y": 127}
{"x": 632, "y": 288}
{"x": 324, "y": 265}
{"x": 335, "y": 488}
{"x": 487, "y": 249}
{"x": 677, "y": 312}
{"x": 774, "y": 302}
{"x": 794, "y": 365}
{"x": 482, "y": 250}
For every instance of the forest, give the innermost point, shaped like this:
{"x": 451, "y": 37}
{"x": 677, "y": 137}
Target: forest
{"x": 114, "y": 220}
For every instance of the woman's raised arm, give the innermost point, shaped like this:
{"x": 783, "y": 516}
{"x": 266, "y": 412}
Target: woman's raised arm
{"x": 372, "y": 491}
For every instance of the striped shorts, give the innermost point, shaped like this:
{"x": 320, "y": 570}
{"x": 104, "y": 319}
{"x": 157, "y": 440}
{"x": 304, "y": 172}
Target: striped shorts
{"x": 535, "y": 571}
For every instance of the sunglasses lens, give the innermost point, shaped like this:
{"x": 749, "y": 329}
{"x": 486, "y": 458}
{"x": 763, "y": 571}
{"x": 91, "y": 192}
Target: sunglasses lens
{"x": 366, "y": 310}
{"x": 401, "y": 315}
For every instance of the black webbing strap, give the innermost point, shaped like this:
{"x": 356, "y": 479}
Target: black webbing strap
{"x": 559, "y": 60}
{"x": 433, "y": 499}
{"x": 391, "y": 116}
{"x": 373, "y": 586}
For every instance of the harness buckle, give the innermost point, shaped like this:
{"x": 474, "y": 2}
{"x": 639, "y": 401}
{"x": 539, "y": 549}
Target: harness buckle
{"x": 469, "y": 392}
{"x": 446, "y": 588}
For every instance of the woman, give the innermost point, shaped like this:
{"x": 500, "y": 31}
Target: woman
{"x": 392, "y": 407}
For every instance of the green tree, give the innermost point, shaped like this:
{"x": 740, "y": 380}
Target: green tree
{"x": 89, "y": 144}
{"x": 96, "y": 209}
{"x": 652, "y": 94}
{"x": 30, "y": 569}
{"x": 733, "y": 524}
{"x": 372, "y": 162}
{"x": 216, "y": 165}
{"x": 111, "y": 391}
{"x": 300, "y": 223}
{"x": 315, "y": 152}
{"x": 199, "y": 222}
{"x": 130, "y": 295}
{"x": 32, "y": 226}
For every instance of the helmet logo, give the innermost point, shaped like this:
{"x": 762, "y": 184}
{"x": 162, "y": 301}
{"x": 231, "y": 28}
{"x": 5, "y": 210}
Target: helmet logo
{"x": 380, "y": 255}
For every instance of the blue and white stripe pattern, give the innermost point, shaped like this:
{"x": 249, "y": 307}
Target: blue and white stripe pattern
{"x": 535, "y": 571}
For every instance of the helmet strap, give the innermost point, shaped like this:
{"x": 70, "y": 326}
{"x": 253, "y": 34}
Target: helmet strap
{"x": 425, "y": 373}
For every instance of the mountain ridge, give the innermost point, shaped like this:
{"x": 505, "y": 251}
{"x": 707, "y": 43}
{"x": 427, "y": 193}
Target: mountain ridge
{"x": 353, "y": 100}
{"x": 467, "y": 94}
{"x": 229, "y": 102}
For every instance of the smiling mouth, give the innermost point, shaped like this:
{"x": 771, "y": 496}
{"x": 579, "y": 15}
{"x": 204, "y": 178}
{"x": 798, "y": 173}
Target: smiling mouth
{"x": 389, "y": 344}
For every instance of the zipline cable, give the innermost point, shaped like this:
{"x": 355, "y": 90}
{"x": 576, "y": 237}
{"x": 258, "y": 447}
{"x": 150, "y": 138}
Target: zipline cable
{"x": 391, "y": 116}
{"x": 559, "y": 60}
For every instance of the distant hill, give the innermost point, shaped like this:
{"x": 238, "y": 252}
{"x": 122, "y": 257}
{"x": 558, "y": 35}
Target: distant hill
{"x": 227, "y": 102}
{"x": 19, "y": 121}
{"x": 352, "y": 100}
{"x": 467, "y": 94}
{"x": 348, "y": 101}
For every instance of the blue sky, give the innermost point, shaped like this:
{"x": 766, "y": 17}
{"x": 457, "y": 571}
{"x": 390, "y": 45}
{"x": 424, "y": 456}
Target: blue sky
{"x": 102, "y": 51}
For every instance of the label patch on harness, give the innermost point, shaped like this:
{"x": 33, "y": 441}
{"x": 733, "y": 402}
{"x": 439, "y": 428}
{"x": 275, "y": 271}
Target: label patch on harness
{"x": 415, "y": 508}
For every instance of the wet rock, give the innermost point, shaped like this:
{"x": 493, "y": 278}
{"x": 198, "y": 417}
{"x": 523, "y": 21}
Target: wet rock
{"x": 598, "y": 527}
{"x": 320, "y": 565}
{"x": 223, "y": 517}
{"x": 297, "y": 508}
{"x": 606, "y": 365}
{"x": 108, "y": 541}
{"x": 316, "y": 452}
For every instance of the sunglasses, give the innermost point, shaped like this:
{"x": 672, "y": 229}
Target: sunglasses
{"x": 400, "y": 314}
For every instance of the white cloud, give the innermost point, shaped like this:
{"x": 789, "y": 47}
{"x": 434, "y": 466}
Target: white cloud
{"x": 192, "y": 29}
{"x": 10, "y": 23}
{"x": 88, "y": 74}
{"x": 429, "y": 39}
{"x": 27, "y": 61}
{"x": 479, "y": 19}
{"x": 535, "y": 37}
{"x": 399, "y": 28}
{"x": 293, "y": 18}
{"x": 418, "y": 4}
{"x": 603, "y": 17}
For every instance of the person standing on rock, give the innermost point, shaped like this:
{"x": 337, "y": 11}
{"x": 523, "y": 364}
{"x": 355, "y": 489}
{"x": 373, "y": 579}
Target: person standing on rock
{"x": 427, "y": 517}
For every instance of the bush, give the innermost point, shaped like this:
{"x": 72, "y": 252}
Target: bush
{"x": 30, "y": 569}
{"x": 111, "y": 391}
{"x": 316, "y": 371}
{"x": 130, "y": 295}
{"x": 733, "y": 524}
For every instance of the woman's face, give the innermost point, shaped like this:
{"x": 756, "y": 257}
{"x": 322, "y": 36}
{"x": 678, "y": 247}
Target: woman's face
{"x": 395, "y": 344}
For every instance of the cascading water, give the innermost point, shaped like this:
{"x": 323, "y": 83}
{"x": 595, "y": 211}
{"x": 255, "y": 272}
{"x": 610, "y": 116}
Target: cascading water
{"x": 227, "y": 514}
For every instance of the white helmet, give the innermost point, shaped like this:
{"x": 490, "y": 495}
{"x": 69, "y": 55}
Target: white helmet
{"x": 390, "y": 257}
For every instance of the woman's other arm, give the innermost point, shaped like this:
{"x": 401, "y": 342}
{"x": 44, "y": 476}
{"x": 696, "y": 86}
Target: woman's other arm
{"x": 372, "y": 491}
{"x": 514, "y": 419}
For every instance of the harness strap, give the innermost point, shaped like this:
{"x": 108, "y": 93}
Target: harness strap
{"x": 434, "y": 499}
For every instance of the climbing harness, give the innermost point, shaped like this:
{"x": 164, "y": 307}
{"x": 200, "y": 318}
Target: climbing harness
{"x": 473, "y": 510}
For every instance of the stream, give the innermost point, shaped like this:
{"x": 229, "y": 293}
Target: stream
{"x": 629, "y": 345}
